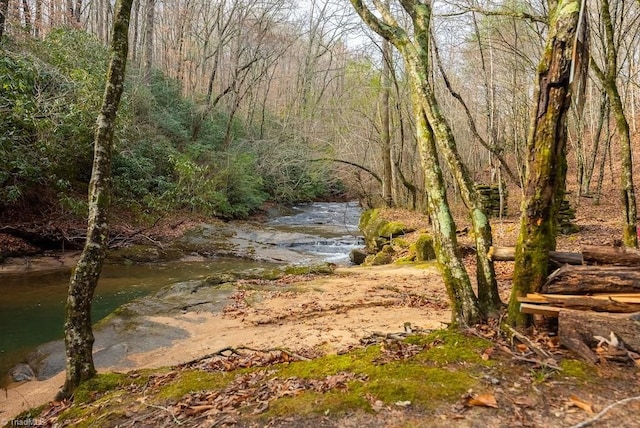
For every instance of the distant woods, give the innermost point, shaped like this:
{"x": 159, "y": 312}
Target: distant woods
{"x": 232, "y": 102}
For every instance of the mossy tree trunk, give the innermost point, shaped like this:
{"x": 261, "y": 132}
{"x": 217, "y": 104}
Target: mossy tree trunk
{"x": 78, "y": 332}
{"x": 417, "y": 58}
{"x": 546, "y": 158}
{"x": 465, "y": 306}
{"x": 465, "y": 309}
{"x": 608, "y": 78}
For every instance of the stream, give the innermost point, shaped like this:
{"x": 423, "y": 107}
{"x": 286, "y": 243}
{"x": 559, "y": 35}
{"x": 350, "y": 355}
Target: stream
{"x": 32, "y": 304}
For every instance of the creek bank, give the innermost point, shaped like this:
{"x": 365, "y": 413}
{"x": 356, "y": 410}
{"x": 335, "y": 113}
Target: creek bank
{"x": 279, "y": 241}
{"x": 324, "y": 311}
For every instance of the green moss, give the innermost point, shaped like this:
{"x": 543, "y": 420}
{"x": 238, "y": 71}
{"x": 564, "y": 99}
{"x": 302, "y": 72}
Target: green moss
{"x": 406, "y": 260}
{"x": 378, "y": 231}
{"x": 576, "y": 369}
{"x": 408, "y": 380}
{"x": 450, "y": 346}
{"x": 400, "y": 242}
{"x": 30, "y": 414}
{"x": 321, "y": 269}
{"x": 192, "y": 381}
{"x": 424, "y": 249}
{"x": 392, "y": 229}
{"x": 98, "y": 385}
{"x": 383, "y": 257}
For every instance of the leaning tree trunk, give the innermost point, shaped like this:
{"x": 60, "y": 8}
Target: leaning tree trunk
{"x": 546, "y": 161}
{"x": 465, "y": 307}
{"x": 385, "y": 134}
{"x": 417, "y": 66}
{"x": 78, "y": 332}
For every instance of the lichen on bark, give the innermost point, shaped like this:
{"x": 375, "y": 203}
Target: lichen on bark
{"x": 84, "y": 279}
{"x": 546, "y": 158}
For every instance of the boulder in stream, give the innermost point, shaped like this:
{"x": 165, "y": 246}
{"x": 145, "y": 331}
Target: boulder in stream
{"x": 22, "y": 372}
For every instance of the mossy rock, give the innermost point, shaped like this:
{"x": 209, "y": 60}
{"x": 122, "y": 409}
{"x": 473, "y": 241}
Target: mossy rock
{"x": 383, "y": 257}
{"x": 400, "y": 242}
{"x": 424, "y": 248}
{"x": 358, "y": 256}
{"x": 379, "y": 231}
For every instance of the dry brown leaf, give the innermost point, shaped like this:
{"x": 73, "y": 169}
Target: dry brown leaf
{"x": 522, "y": 347}
{"x": 486, "y": 355}
{"x": 484, "y": 400}
{"x": 574, "y": 400}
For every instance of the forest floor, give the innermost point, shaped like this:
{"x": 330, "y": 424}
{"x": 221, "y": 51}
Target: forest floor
{"x": 359, "y": 347}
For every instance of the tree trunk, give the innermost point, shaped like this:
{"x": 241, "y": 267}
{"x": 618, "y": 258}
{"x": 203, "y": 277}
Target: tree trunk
{"x": 488, "y": 296}
{"x": 385, "y": 134}
{"x": 546, "y": 161}
{"x": 37, "y": 24}
{"x": 608, "y": 79}
{"x": 591, "y": 167}
{"x": 465, "y": 307}
{"x": 78, "y": 332}
{"x": 148, "y": 41}
{"x": 4, "y": 9}
{"x": 135, "y": 36}
{"x": 26, "y": 12}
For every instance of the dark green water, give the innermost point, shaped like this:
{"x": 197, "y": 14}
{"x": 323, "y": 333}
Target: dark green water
{"x": 32, "y": 305}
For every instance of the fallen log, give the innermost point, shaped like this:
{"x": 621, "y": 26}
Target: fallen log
{"x": 508, "y": 254}
{"x": 577, "y": 330}
{"x": 619, "y": 256}
{"x": 592, "y": 279}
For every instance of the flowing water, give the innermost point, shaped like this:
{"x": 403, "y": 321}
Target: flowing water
{"x": 32, "y": 304}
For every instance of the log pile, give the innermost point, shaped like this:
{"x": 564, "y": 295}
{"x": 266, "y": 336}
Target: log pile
{"x": 596, "y": 298}
{"x": 490, "y": 197}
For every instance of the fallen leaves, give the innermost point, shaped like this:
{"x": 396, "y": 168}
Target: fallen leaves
{"x": 253, "y": 392}
{"x": 484, "y": 400}
{"x": 396, "y": 350}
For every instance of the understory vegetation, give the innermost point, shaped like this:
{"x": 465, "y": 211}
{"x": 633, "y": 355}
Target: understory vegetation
{"x": 49, "y": 107}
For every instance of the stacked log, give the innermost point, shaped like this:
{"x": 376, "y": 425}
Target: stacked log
{"x": 594, "y": 302}
{"x": 490, "y": 197}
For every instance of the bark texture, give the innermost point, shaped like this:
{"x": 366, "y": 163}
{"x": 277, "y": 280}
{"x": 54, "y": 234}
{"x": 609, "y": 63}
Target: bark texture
{"x": 415, "y": 51}
{"x": 546, "y": 158}
{"x": 78, "y": 332}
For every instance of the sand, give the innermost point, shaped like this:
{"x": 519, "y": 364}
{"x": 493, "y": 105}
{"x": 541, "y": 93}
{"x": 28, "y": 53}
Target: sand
{"x": 329, "y": 313}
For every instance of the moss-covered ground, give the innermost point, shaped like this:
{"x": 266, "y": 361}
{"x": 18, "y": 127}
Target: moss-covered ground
{"x": 419, "y": 379}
